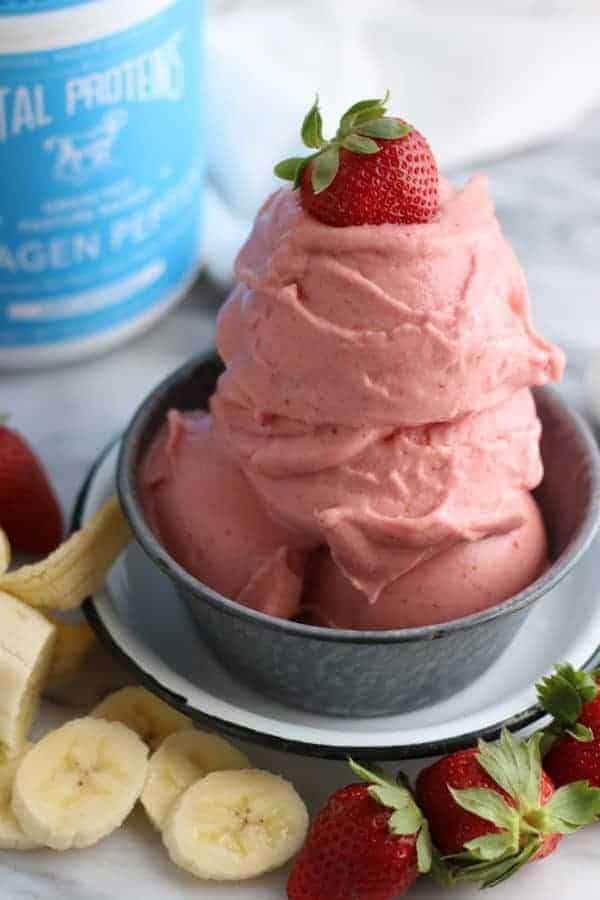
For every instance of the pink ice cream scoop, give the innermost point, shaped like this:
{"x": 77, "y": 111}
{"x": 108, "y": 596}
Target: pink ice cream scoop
{"x": 201, "y": 507}
{"x": 370, "y": 449}
{"x": 381, "y": 325}
{"x": 464, "y": 579}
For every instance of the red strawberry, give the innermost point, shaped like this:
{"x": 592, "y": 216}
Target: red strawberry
{"x": 573, "y": 698}
{"x": 369, "y": 843}
{"x": 29, "y": 510}
{"x": 494, "y": 809}
{"x": 376, "y": 170}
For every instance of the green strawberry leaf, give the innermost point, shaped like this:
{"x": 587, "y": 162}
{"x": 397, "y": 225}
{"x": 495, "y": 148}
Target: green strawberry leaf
{"x": 391, "y": 795}
{"x": 357, "y": 144}
{"x": 363, "y": 111}
{"x": 388, "y": 129}
{"x": 372, "y": 773}
{"x": 508, "y": 868}
{"x": 312, "y": 127}
{"x": 532, "y": 773}
{"x": 440, "y": 871}
{"x": 367, "y": 115}
{"x": 362, "y": 105}
{"x": 569, "y": 808}
{"x": 360, "y": 123}
{"x": 407, "y": 817}
{"x": 584, "y": 681}
{"x": 424, "y": 849}
{"x": 563, "y": 694}
{"x": 287, "y": 168}
{"x": 405, "y": 821}
{"x": 515, "y": 766}
{"x": 581, "y": 733}
{"x": 491, "y": 758}
{"x": 488, "y": 805}
{"x": 492, "y": 872}
{"x": 560, "y": 699}
{"x": 493, "y": 846}
{"x": 325, "y": 169}
{"x": 301, "y": 168}
{"x": 549, "y": 738}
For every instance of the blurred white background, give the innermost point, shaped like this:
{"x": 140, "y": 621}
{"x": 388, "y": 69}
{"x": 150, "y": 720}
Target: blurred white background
{"x": 487, "y": 81}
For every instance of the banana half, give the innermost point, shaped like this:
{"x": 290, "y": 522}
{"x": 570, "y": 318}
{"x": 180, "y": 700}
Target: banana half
{"x": 231, "y": 826}
{"x": 182, "y": 759}
{"x": 26, "y": 646}
{"x": 144, "y": 713}
{"x": 79, "y": 783}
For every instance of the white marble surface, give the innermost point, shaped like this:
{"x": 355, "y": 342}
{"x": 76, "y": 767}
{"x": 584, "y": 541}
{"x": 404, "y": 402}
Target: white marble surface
{"x": 549, "y": 202}
{"x": 132, "y": 863}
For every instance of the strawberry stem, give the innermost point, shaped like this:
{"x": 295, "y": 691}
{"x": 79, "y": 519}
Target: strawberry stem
{"x": 358, "y": 127}
{"x": 406, "y": 818}
{"x": 516, "y": 768}
{"x": 563, "y": 696}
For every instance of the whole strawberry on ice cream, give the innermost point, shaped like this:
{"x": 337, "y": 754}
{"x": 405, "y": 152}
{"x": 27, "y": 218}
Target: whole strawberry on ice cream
{"x": 29, "y": 511}
{"x": 375, "y": 170}
{"x": 493, "y": 809}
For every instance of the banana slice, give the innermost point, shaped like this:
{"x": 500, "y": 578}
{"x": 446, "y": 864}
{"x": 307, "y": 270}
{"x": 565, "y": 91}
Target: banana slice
{"x": 77, "y": 568}
{"x": 73, "y": 642}
{"x": 144, "y": 713}
{"x": 26, "y": 647}
{"x": 79, "y": 783}
{"x": 231, "y": 826}
{"x": 182, "y": 759}
{"x": 12, "y": 836}
{"x": 4, "y": 552}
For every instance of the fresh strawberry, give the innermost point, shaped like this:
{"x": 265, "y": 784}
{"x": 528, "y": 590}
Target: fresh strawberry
{"x": 573, "y": 699}
{"x": 375, "y": 170}
{"x": 29, "y": 511}
{"x": 493, "y": 809}
{"x": 369, "y": 843}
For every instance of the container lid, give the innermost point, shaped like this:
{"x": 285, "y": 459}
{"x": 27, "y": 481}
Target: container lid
{"x": 29, "y": 7}
{"x": 30, "y": 26}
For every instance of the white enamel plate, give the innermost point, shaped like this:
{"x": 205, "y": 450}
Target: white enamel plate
{"x": 141, "y": 618}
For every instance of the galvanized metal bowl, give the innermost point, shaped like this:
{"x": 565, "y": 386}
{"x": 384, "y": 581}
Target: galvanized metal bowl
{"x": 369, "y": 673}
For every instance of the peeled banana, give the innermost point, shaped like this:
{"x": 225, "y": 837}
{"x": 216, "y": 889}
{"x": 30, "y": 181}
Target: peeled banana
{"x": 183, "y": 758}
{"x": 26, "y": 646}
{"x": 77, "y": 568}
{"x": 230, "y": 826}
{"x": 79, "y": 783}
{"x": 12, "y": 836}
{"x": 4, "y": 552}
{"x": 148, "y": 716}
{"x": 73, "y": 641}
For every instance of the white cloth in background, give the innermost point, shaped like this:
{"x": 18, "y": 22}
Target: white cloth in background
{"x": 592, "y": 388}
{"x": 489, "y": 77}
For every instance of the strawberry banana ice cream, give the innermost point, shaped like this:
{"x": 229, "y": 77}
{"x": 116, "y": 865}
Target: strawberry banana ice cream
{"x": 370, "y": 450}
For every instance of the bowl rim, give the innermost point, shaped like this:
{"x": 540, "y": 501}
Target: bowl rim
{"x": 526, "y": 717}
{"x": 127, "y": 491}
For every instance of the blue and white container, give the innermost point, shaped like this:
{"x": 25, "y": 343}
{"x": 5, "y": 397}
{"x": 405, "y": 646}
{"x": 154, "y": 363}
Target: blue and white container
{"x": 101, "y": 171}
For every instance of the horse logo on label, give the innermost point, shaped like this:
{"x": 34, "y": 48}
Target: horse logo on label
{"x": 79, "y": 156}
